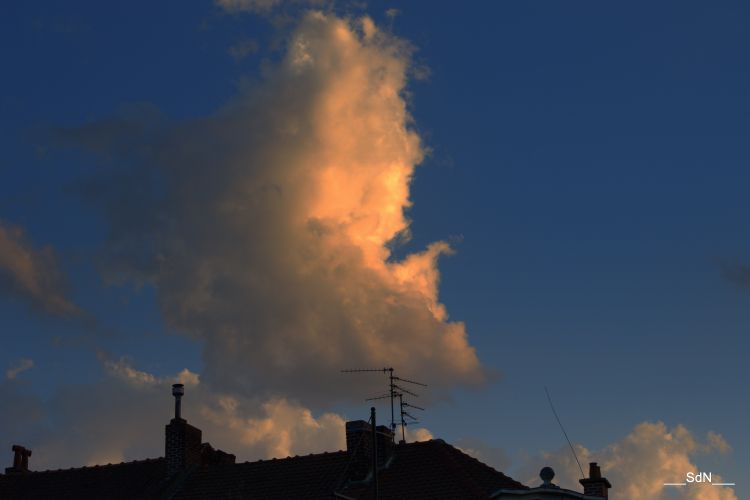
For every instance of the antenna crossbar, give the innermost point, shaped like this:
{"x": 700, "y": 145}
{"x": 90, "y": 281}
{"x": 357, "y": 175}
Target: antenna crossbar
{"x": 405, "y": 390}
{"x": 412, "y": 406}
{"x": 409, "y": 381}
{"x": 394, "y": 391}
{"x": 360, "y": 370}
{"x": 386, "y": 396}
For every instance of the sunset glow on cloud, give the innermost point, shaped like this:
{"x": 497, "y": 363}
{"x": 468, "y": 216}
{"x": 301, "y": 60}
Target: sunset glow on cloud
{"x": 271, "y": 243}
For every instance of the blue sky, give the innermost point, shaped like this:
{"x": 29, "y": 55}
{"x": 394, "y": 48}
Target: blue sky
{"x": 587, "y": 163}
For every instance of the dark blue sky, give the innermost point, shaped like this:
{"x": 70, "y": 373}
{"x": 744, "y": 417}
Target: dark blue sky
{"x": 589, "y": 161}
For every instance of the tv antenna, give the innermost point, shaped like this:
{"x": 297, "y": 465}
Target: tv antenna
{"x": 405, "y": 414}
{"x": 394, "y": 391}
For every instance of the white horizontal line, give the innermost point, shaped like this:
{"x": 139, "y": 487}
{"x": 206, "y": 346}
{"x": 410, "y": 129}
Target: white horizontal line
{"x": 723, "y": 484}
{"x": 675, "y": 484}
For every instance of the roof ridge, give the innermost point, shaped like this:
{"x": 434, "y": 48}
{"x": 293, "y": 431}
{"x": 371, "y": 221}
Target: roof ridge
{"x": 95, "y": 466}
{"x": 457, "y": 452}
{"x": 289, "y": 458}
{"x": 461, "y": 474}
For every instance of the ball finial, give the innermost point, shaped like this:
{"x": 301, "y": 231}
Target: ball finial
{"x": 547, "y": 474}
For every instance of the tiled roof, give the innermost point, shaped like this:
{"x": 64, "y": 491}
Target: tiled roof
{"x": 430, "y": 469}
{"x": 435, "y": 469}
{"x": 140, "y": 479}
{"x": 305, "y": 477}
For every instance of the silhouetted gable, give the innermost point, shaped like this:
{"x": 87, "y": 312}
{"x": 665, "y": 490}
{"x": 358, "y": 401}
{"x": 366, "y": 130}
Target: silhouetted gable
{"x": 434, "y": 469}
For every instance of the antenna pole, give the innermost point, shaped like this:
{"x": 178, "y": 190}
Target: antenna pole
{"x": 394, "y": 391}
{"x": 403, "y": 424}
{"x": 583, "y": 476}
{"x": 393, "y": 394}
{"x": 374, "y": 452}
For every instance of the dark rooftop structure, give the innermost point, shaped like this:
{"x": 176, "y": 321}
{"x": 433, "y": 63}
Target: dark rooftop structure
{"x": 192, "y": 469}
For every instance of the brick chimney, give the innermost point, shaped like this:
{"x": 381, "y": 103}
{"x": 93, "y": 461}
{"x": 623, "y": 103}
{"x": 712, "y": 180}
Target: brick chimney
{"x": 359, "y": 447}
{"x": 183, "y": 441}
{"x": 20, "y": 460}
{"x": 385, "y": 444}
{"x": 595, "y": 485}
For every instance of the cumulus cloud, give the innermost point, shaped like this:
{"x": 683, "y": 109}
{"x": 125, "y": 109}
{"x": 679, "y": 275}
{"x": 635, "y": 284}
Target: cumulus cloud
{"x": 284, "y": 429}
{"x": 270, "y": 233}
{"x": 32, "y": 274}
{"x": 418, "y": 434}
{"x": 248, "y": 427}
{"x": 122, "y": 418}
{"x": 123, "y": 370}
{"x": 19, "y": 367}
{"x": 639, "y": 464}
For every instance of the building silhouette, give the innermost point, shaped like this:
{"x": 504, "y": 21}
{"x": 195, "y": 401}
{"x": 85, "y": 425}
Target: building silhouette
{"x": 193, "y": 469}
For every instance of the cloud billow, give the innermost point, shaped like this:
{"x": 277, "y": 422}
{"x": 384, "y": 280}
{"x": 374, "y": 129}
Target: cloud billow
{"x": 639, "y": 464}
{"x": 270, "y": 242}
{"x": 33, "y": 275}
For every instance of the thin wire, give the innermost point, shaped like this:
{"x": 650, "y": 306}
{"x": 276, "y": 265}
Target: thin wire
{"x": 564, "y": 433}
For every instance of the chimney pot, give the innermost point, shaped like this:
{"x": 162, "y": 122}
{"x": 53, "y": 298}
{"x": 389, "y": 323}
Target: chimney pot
{"x": 178, "y": 390}
{"x": 20, "y": 460}
{"x": 595, "y": 485}
{"x": 182, "y": 447}
{"x": 594, "y": 471}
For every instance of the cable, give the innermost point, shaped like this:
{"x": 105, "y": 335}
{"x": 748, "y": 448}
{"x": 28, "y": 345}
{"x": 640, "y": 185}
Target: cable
{"x": 583, "y": 476}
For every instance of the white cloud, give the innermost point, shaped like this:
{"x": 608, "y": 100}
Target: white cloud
{"x": 122, "y": 418}
{"x": 123, "y": 370}
{"x": 284, "y": 428}
{"x": 418, "y": 434}
{"x": 32, "y": 275}
{"x": 639, "y": 464}
{"x": 19, "y": 367}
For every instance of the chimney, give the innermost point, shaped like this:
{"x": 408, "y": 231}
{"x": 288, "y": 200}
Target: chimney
{"x": 359, "y": 446}
{"x": 385, "y": 444}
{"x": 20, "y": 460}
{"x": 359, "y": 449}
{"x": 595, "y": 485}
{"x": 183, "y": 441}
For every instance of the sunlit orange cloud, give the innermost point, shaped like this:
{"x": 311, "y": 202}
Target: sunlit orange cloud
{"x": 273, "y": 245}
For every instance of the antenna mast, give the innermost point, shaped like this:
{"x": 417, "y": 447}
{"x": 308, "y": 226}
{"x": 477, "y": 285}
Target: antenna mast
{"x": 394, "y": 391}
{"x": 403, "y": 404}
